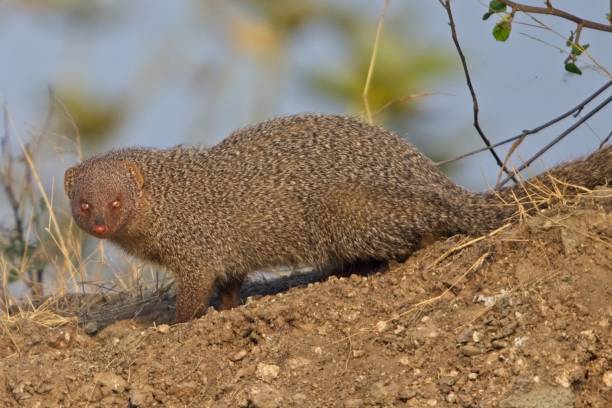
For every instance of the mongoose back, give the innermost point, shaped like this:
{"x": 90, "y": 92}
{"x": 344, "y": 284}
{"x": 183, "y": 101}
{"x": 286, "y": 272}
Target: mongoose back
{"x": 308, "y": 189}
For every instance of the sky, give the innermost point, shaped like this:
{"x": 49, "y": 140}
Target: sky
{"x": 204, "y": 89}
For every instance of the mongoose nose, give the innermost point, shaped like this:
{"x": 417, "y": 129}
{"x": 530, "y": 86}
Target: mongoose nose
{"x": 100, "y": 229}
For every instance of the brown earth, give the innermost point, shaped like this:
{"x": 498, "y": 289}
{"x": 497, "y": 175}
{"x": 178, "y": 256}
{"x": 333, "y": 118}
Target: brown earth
{"x": 521, "y": 318}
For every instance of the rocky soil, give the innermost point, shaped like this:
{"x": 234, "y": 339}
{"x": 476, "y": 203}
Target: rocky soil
{"x": 520, "y": 318}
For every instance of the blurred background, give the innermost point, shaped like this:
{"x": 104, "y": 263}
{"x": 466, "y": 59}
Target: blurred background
{"x": 158, "y": 73}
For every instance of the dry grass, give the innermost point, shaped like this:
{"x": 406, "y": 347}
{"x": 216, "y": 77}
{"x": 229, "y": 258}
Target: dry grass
{"x": 43, "y": 241}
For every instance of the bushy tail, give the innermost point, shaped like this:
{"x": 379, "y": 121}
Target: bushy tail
{"x": 496, "y": 207}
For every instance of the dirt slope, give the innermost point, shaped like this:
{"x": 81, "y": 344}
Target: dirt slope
{"x": 521, "y": 318}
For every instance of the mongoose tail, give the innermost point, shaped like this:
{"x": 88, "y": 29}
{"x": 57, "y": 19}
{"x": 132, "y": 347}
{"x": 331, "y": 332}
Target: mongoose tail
{"x": 588, "y": 172}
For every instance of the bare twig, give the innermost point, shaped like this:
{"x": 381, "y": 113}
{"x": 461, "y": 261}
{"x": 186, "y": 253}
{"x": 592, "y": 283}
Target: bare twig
{"x": 447, "y": 6}
{"x": 6, "y": 178}
{"x": 552, "y": 11}
{"x": 558, "y": 138}
{"x": 603, "y": 143}
{"x": 575, "y": 110}
{"x": 366, "y": 89}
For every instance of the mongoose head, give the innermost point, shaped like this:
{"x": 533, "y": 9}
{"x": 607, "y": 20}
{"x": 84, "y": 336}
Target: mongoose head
{"x": 104, "y": 195}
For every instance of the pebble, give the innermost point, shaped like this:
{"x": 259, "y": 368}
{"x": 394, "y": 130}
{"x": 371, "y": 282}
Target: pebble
{"x": 353, "y": 403}
{"x": 470, "y": 350}
{"x": 465, "y": 336}
{"x": 381, "y": 326}
{"x": 499, "y": 344}
{"x": 472, "y": 376}
{"x": 91, "y": 328}
{"x": 111, "y": 380}
{"x": 540, "y": 397}
{"x": 239, "y": 355}
{"x": 265, "y": 396}
{"x": 267, "y": 372}
{"x": 299, "y": 398}
{"x": 141, "y": 396}
{"x": 406, "y": 394}
{"x": 297, "y": 362}
{"x": 163, "y": 328}
{"x": 607, "y": 378}
{"x": 405, "y": 361}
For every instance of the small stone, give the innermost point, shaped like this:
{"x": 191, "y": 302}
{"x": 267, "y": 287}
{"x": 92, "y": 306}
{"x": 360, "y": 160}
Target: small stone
{"x": 381, "y": 326}
{"x": 111, "y": 381}
{"x": 451, "y": 398}
{"x": 267, "y": 372}
{"x": 358, "y": 353}
{"x": 163, "y": 328}
{"x": 406, "y": 394}
{"x": 141, "y": 396}
{"x": 465, "y": 336}
{"x": 61, "y": 341}
{"x": 405, "y": 361}
{"x": 265, "y": 396}
{"x": 299, "y": 398}
{"x": 297, "y": 362}
{"x": 540, "y": 397}
{"x": 91, "y": 328}
{"x": 470, "y": 351}
{"x": 472, "y": 376}
{"x": 607, "y": 378}
{"x": 573, "y": 374}
{"x": 383, "y": 392}
{"x": 499, "y": 344}
{"x": 239, "y": 355}
{"x": 353, "y": 403}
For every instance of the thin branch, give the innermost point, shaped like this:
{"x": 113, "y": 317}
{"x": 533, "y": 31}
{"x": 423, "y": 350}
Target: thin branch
{"x": 576, "y": 109}
{"x": 551, "y": 11}
{"x": 584, "y": 51}
{"x": 558, "y": 138}
{"x": 366, "y": 89}
{"x": 603, "y": 143}
{"x": 447, "y": 6}
{"x": 7, "y": 176}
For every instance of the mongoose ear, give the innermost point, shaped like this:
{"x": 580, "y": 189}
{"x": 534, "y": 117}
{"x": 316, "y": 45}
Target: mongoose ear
{"x": 135, "y": 173}
{"x": 69, "y": 177}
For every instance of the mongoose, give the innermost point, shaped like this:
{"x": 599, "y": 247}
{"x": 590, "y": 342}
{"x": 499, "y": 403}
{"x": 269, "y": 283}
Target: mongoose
{"x": 308, "y": 189}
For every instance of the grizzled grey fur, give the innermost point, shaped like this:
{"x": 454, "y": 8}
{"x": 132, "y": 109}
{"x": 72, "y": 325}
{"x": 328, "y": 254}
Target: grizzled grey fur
{"x": 308, "y": 189}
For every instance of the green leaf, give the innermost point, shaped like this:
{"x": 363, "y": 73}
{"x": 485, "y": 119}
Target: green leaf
{"x": 501, "y": 31}
{"x": 577, "y": 50}
{"x": 573, "y": 68}
{"x": 486, "y": 15}
{"x": 570, "y": 40}
{"x": 496, "y": 6}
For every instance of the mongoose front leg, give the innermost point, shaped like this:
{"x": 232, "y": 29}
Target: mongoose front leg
{"x": 193, "y": 293}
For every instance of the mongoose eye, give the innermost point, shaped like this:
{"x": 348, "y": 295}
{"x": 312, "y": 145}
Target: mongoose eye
{"x": 116, "y": 204}
{"x": 84, "y": 206}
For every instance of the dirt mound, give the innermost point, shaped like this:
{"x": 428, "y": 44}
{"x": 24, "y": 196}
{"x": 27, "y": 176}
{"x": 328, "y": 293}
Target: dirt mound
{"x": 520, "y": 318}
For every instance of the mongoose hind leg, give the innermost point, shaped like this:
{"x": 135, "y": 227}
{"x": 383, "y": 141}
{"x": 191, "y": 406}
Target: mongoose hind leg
{"x": 229, "y": 294}
{"x": 362, "y": 267}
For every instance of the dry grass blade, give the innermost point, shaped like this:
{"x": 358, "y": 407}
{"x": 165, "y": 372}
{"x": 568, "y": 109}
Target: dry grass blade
{"x": 366, "y": 88}
{"x": 466, "y": 244}
{"x": 43, "y": 314}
